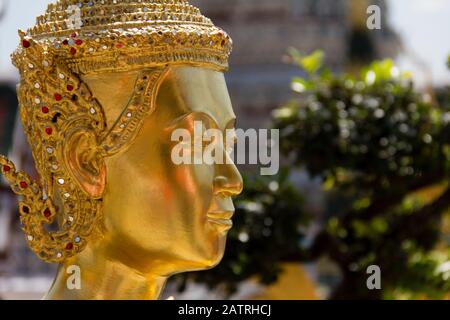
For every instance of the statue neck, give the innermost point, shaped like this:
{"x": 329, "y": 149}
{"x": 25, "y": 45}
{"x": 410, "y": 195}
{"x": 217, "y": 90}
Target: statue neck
{"x": 93, "y": 275}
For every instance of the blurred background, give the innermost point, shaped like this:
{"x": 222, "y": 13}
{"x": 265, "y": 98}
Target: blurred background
{"x": 364, "y": 118}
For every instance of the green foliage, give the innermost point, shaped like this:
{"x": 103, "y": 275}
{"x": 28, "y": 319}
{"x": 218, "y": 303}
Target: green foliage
{"x": 310, "y": 63}
{"x": 430, "y": 272}
{"x": 376, "y": 125}
{"x": 374, "y": 141}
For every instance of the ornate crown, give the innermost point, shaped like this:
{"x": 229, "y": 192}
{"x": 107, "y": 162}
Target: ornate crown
{"x": 96, "y": 36}
{"x": 107, "y": 35}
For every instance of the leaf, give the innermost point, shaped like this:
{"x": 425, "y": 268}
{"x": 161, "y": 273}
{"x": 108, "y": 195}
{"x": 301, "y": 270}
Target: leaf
{"x": 300, "y": 85}
{"x": 313, "y": 62}
{"x": 383, "y": 70}
{"x": 310, "y": 63}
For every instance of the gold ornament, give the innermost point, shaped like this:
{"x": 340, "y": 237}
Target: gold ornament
{"x": 110, "y": 35}
{"x": 129, "y": 34}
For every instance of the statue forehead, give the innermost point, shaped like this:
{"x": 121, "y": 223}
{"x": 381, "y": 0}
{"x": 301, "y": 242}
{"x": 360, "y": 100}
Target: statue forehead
{"x": 204, "y": 90}
{"x": 113, "y": 90}
{"x": 199, "y": 89}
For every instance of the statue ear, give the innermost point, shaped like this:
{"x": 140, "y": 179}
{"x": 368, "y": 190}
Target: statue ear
{"x": 85, "y": 163}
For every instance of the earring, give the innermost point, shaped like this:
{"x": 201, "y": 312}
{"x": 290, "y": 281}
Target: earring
{"x": 54, "y": 102}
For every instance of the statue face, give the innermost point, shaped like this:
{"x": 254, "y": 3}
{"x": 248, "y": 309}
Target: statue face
{"x": 166, "y": 217}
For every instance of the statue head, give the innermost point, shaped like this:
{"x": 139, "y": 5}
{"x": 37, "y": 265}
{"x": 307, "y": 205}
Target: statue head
{"x": 103, "y": 84}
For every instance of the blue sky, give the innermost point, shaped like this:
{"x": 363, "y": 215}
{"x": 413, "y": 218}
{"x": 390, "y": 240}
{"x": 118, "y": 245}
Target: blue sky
{"x": 424, "y": 26}
{"x": 21, "y": 14}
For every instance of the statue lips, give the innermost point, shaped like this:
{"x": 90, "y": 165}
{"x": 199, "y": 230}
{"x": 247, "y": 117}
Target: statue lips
{"x": 221, "y": 218}
{"x": 220, "y": 212}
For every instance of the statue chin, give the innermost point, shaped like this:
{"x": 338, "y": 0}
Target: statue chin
{"x": 103, "y": 112}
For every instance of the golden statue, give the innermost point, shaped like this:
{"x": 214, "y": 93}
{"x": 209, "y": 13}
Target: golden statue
{"x": 103, "y": 84}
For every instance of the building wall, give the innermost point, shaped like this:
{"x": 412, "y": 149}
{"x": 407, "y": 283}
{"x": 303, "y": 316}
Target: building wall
{"x": 262, "y": 31}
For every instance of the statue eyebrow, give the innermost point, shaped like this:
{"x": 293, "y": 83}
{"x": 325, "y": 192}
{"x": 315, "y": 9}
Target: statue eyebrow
{"x": 195, "y": 116}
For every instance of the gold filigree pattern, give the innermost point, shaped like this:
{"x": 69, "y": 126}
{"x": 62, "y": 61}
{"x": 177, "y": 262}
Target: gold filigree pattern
{"x": 55, "y": 103}
{"x": 139, "y": 107}
{"x": 119, "y": 35}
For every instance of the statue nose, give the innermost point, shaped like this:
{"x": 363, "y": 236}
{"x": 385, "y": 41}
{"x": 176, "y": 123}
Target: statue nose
{"x": 228, "y": 181}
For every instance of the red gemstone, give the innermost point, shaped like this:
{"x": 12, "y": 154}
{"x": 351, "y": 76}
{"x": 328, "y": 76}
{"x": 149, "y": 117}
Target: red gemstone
{"x": 70, "y": 87}
{"x": 79, "y": 42}
{"x": 6, "y": 168}
{"x": 25, "y": 209}
{"x": 69, "y": 246}
{"x": 47, "y": 213}
{"x": 74, "y": 35}
{"x": 45, "y": 110}
{"x": 26, "y": 44}
{"x": 58, "y": 97}
{"x": 73, "y": 50}
{"x": 119, "y": 45}
{"x": 23, "y": 184}
{"x": 48, "y": 131}
{"x": 65, "y": 42}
